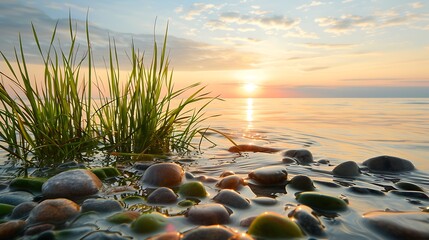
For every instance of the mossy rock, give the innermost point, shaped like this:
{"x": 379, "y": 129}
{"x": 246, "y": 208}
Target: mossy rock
{"x": 133, "y": 200}
{"x": 149, "y": 223}
{"x": 186, "y": 203}
{"x": 271, "y": 225}
{"x": 31, "y": 184}
{"x": 106, "y": 172}
{"x": 193, "y": 189}
{"x": 5, "y": 209}
{"x": 320, "y": 201}
{"x": 123, "y": 217}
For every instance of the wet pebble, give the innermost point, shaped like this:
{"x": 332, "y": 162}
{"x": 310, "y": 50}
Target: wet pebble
{"x": 411, "y": 194}
{"x": 208, "y": 214}
{"x": 149, "y": 223}
{"x": 366, "y": 191}
{"x": 72, "y": 184}
{"x": 166, "y": 236}
{"x": 164, "y": 175}
{"x": 327, "y": 184}
{"x": 302, "y": 156}
{"x": 388, "y": 164}
{"x": 106, "y": 172}
{"x": 37, "y": 229}
{"x": 22, "y": 210}
{"x": 322, "y": 202}
{"x": 192, "y": 189}
{"x": 302, "y": 183}
{"x": 31, "y": 184}
{"x": 104, "y": 236}
{"x": 309, "y": 222}
{"x": 226, "y": 173}
{"x": 16, "y": 198}
{"x": 269, "y": 175}
{"x": 232, "y": 199}
{"x": 288, "y": 160}
{"x": 323, "y": 161}
{"x": 5, "y": 209}
{"x": 54, "y": 211}
{"x": 347, "y": 169}
{"x": 274, "y": 226}
{"x": 231, "y": 182}
{"x": 162, "y": 195}
{"x": 265, "y": 201}
{"x": 399, "y": 225}
{"x": 408, "y": 186}
{"x": 9, "y": 230}
{"x": 208, "y": 233}
{"x": 123, "y": 217}
{"x": 246, "y": 222}
{"x": 101, "y": 205}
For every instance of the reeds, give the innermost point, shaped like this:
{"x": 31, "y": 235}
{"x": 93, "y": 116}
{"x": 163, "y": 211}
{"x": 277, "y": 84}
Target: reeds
{"x": 57, "y": 121}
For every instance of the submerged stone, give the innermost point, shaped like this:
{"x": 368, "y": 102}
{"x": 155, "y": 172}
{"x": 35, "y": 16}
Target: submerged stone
{"x": 302, "y": 156}
{"x": 301, "y": 182}
{"x": 347, "y": 169}
{"x": 164, "y": 175}
{"x": 37, "y": 229}
{"x": 149, "y": 223}
{"x": 162, "y": 195}
{"x": 106, "y": 172}
{"x": 53, "y": 211}
{"x": 408, "y": 186}
{"x": 101, "y": 205}
{"x": 388, "y": 164}
{"x": 232, "y": 199}
{"x": 22, "y": 210}
{"x": 320, "y": 201}
{"x": 399, "y": 225}
{"x": 6, "y": 209}
{"x": 265, "y": 201}
{"x": 226, "y": 173}
{"x": 269, "y": 175}
{"x": 123, "y": 217}
{"x": 366, "y": 191}
{"x": 31, "y": 184}
{"x": 251, "y": 148}
{"x": 274, "y": 226}
{"x": 166, "y": 236}
{"x": 104, "y": 236}
{"x": 309, "y": 222}
{"x": 411, "y": 194}
{"x": 193, "y": 189}
{"x": 208, "y": 214}
{"x": 72, "y": 184}
{"x": 16, "y": 198}
{"x": 230, "y": 182}
{"x": 11, "y": 229}
{"x": 208, "y": 233}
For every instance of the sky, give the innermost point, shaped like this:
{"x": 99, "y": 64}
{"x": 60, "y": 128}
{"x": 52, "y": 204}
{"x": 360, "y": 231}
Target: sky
{"x": 250, "y": 48}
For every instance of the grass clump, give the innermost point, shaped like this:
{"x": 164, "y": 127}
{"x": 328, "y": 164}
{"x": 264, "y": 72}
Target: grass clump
{"x": 53, "y": 122}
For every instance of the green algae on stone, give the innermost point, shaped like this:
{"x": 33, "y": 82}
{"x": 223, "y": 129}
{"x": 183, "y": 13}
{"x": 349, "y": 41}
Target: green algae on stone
{"x": 133, "y": 200}
{"x": 186, "y": 203}
{"x": 32, "y": 184}
{"x": 320, "y": 201}
{"x": 5, "y": 209}
{"x": 149, "y": 223}
{"x": 106, "y": 172}
{"x": 193, "y": 189}
{"x": 273, "y": 225}
{"x": 123, "y": 217}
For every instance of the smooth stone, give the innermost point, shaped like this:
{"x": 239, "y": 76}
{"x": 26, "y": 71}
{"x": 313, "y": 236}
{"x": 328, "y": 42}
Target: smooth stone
{"x": 411, "y": 194}
{"x": 130, "y": 200}
{"x": 288, "y": 160}
{"x": 274, "y": 226}
{"x": 320, "y": 201}
{"x": 408, "y": 186}
{"x": 208, "y": 214}
{"x": 347, "y": 169}
{"x": 6, "y": 209}
{"x": 192, "y": 189}
{"x": 187, "y": 203}
{"x": 226, "y": 174}
{"x": 149, "y": 223}
{"x": 251, "y": 148}
{"x": 167, "y": 236}
{"x": 69, "y": 233}
{"x": 208, "y": 233}
{"x": 54, "y": 211}
{"x": 123, "y": 217}
{"x": 302, "y": 156}
{"x": 101, "y": 205}
{"x": 366, "y": 191}
{"x": 323, "y": 161}
{"x": 10, "y": 229}
{"x": 72, "y": 184}
{"x": 327, "y": 184}
{"x": 302, "y": 183}
{"x": 189, "y": 175}
{"x": 164, "y": 175}
{"x": 246, "y": 222}
{"x": 16, "y": 198}
{"x": 106, "y": 172}
{"x": 230, "y": 182}
{"x": 388, "y": 164}
{"x": 265, "y": 201}
{"x": 31, "y": 184}
{"x": 22, "y": 210}
{"x": 37, "y": 229}
{"x": 206, "y": 179}
{"x": 105, "y": 236}
{"x": 308, "y": 221}
{"x": 399, "y": 225}
{"x": 232, "y": 199}
{"x": 269, "y": 175}
{"x": 162, "y": 195}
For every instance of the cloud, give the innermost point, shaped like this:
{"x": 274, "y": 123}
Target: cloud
{"x": 234, "y": 40}
{"x": 311, "y": 69}
{"x": 328, "y": 45}
{"x": 360, "y": 91}
{"x": 197, "y": 9}
{"x": 185, "y": 54}
{"x": 346, "y": 23}
{"x": 297, "y": 32}
{"x": 265, "y": 22}
{"x": 305, "y": 7}
{"x": 347, "y": 1}
{"x": 217, "y": 25}
{"x": 416, "y": 5}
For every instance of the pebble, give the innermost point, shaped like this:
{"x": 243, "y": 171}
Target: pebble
{"x": 265, "y": 201}
{"x": 149, "y": 223}
{"x": 166, "y": 236}
{"x": 123, "y": 217}
{"x": 302, "y": 156}
{"x": 322, "y": 202}
{"x": 226, "y": 173}
{"x": 31, "y": 184}
{"x": 388, "y": 164}
{"x": 5, "y": 209}
{"x": 164, "y": 175}
{"x": 22, "y": 210}
{"x": 230, "y": 182}
{"x": 408, "y": 186}
{"x": 72, "y": 184}
{"x": 192, "y": 189}
{"x": 411, "y": 194}
{"x": 208, "y": 233}
{"x": 269, "y": 175}
{"x": 208, "y": 214}
{"x": 288, "y": 160}
{"x": 104, "y": 236}
{"x": 366, "y": 191}
{"x": 162, "y": 195}
{"x": 9, "y": 230}
{"x": 54, "y": 211}
{"x": 16, "y": 198}
{"x": 302, "y": 183}
{"x": 101, "y": 205}
{"x": 308, "y": 221}
{"x": 37, "y": 229}
{"x": 272, "y": 225}
{"x": 232, "y": 199}
{"x": 347, "y": 169}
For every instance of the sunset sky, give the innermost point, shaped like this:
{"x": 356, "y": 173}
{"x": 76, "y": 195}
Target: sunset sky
{"x": 254, "y": 48}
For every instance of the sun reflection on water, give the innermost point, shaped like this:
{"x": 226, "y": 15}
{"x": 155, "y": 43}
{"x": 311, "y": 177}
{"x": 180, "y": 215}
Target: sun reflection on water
{"x": 249, "y": 113}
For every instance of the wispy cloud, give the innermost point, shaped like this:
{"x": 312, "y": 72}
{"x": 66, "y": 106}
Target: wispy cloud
{"x": 217, "y": 25}
{"x": 305, "y": 7}
{"x": 328, "y": 45}
{"x": 198, "y": 9}
{"x": 416, "y": 5}
{"x": 318, "y": 68}
{"x": 265, "y": 22}
{"x": 298, "y": 32}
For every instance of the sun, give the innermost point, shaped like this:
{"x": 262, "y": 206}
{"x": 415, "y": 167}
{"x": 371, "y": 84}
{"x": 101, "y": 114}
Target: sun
{"x": 250, "y": 87}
